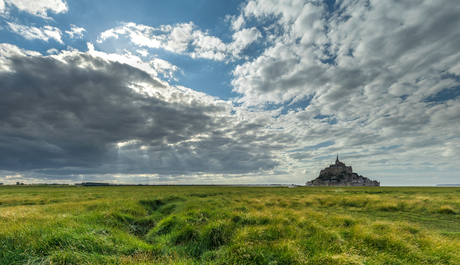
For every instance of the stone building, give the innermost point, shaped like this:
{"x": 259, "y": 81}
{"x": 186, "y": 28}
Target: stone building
{"x": 339, "y": 174}
{"x": 336, "y": 168}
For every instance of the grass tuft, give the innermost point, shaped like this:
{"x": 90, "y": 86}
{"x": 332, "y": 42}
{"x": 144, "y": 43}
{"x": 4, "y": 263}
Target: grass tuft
{"x": 446, "y": 209}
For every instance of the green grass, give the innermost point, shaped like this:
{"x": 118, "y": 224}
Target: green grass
{"x": 229, "y": 225}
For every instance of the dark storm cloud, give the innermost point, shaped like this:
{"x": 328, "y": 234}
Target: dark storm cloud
{"x": 79, "y": 115}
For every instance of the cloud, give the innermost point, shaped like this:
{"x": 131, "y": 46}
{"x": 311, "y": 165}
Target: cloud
{"x": 154, "y": 67}
{"x": 80, "y": 113}
{"x": 37, "y": 7}
{"x": 236, "y": 22}
{"x": 371, "y": 48}
{"x": 2, "y": 6}
{"x": 143, "y": 52}
{"x": 52, "y": 51}
{"x": 185, "y": 39}
{"x": 32, "y": 33}
{"x": 370, "y": 68}
{"x": 164, "y": 67}
{"x": 242, "y": 39}
{"x": 367, "y": 77}
{"x": 75, "y": 32}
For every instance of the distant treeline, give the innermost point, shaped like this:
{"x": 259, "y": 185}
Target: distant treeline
{"x": 228, "y": 185}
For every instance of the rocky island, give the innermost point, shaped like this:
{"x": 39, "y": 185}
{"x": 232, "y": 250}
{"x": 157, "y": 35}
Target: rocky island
{"x": 339, "y": 174}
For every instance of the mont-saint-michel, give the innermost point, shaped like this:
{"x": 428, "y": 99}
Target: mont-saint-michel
{"x": 339, "y": 174}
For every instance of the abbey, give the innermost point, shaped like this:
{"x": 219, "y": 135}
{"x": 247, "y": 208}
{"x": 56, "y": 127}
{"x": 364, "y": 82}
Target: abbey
{"x": 339, "y": 174}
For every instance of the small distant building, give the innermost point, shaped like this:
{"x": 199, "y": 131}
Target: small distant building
{"x": 339, "y": 174}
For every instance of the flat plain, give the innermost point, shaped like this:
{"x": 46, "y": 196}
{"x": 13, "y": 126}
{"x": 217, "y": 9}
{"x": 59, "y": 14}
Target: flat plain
{"x": 229, "y": 225}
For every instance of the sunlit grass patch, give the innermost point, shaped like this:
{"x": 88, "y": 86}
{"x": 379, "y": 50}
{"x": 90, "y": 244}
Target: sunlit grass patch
{"x": 446, "y": 209}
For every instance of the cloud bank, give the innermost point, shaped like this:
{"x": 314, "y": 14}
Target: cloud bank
{"x": 74, "y": 112}
{"x": 372, "y": 48}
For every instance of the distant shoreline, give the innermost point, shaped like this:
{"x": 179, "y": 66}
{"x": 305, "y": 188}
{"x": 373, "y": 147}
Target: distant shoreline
{"x": 203, "y": 185}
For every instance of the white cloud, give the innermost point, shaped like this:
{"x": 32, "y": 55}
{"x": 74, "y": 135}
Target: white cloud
{"x": 186, "y": 39}
{"x": 143, "y": 52}
{"x": 140, "y": 35}
{"x": 242, "y": 39}
{"x": 52, "y": 51}
{"x": 237, "y": 22}
{"x": 208, "y": 47}
{"x": 2, "y": 6}
{"x": 180, "y": 37}
{"x": 75, "y": 32}
{"x": 286, "y": 11}
{"x": 164, "y": 67}
{"x": 154, "y": 67}
{"x": 32, "y": 33}
{"x": 36, "y": 7}
{"x": 126, "y": 58}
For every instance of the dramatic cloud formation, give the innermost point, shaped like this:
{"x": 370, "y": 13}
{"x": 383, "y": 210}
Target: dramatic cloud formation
{"x": 371, "y": 74}
{"x": 376, "y": 81}
{"x": 75, "y": 112}
{"x": 361, "y": 48}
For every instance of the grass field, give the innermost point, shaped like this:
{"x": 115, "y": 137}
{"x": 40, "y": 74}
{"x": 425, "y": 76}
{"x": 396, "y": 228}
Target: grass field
{"x": 229, "y": 225}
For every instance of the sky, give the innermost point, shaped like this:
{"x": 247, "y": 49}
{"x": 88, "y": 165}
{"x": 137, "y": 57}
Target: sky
{"x": 229, "y": 92}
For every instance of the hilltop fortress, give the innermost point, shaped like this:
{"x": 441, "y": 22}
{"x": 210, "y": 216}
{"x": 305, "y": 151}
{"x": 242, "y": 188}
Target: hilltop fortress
{"x": 339, "y": 174}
